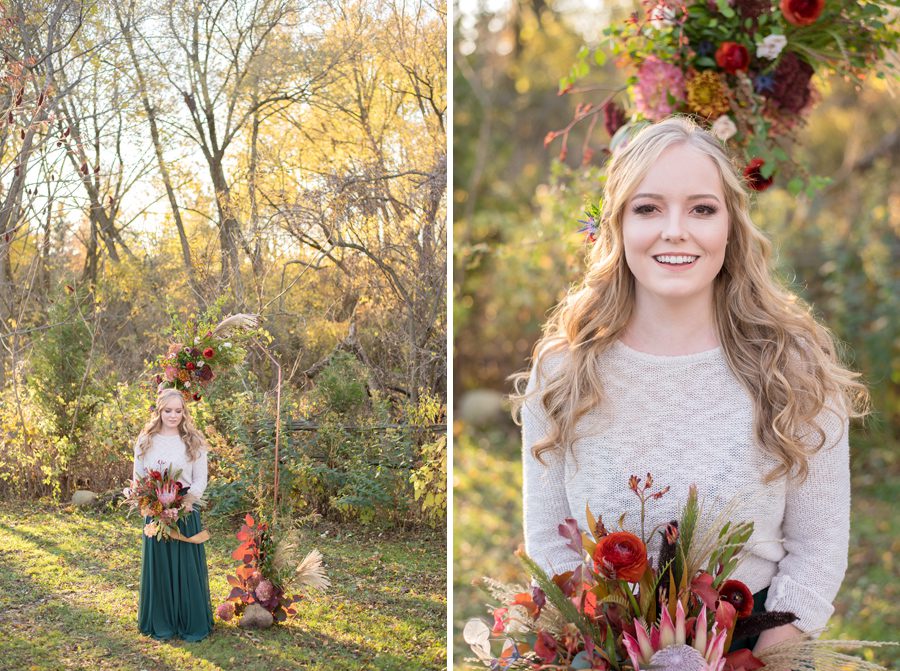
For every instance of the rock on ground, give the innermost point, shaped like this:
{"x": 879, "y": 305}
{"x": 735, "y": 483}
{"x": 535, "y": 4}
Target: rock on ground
{"x": 256, "y": 617}
{"x": 83, "y": 497}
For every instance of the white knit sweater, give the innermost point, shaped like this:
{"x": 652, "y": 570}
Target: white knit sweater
{"x": 686, "y": 419}
{"x": 166, "y": 450}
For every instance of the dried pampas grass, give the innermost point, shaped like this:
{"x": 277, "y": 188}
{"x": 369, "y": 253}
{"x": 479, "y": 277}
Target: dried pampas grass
{"x": 242, "y": 320}
{"x": 809, "y": 654}
{"x": 311, "y": 572}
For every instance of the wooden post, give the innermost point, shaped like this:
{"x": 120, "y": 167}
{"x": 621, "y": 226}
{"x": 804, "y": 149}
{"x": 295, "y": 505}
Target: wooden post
{"x": 277, "y": 424}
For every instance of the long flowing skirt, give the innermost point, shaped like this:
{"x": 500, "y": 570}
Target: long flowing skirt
{"x": 174, "y": 598}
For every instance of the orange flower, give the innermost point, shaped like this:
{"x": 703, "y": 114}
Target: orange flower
{"x": 621, "y": 555}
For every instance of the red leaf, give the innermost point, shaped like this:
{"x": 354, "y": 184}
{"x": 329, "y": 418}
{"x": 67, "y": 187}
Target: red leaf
{"x": 249, "y": 520}
{"x": 234, "y": 581}
{"x": 545, "y": 647}
{"x": 725, "y": 615}
{"x": 235, "y": 593}
{"x": 702, "y": 587}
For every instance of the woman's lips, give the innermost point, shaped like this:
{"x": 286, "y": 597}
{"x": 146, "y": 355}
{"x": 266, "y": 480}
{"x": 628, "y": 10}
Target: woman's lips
{"x": 675, "y": 267}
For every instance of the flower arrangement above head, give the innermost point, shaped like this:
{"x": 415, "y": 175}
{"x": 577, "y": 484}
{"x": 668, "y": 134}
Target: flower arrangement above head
{"x": 201, "y": 349}
{"x": 743, "y": 67}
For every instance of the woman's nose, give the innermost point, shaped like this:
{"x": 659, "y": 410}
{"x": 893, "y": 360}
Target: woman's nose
{"x": 674, "y": 228}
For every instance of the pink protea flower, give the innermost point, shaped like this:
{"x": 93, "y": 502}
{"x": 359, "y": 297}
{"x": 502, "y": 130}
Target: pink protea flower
{"x": 167, "y": 493}
{"x": 657, "y": 81}
{"x": 225, "y": 611}
{"x": 666, "y": 646}
{"x": 171, "y": 372}
{"x": 265, "y": 590}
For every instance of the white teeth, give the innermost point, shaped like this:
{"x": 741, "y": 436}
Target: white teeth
{"x": 676, "y": 259}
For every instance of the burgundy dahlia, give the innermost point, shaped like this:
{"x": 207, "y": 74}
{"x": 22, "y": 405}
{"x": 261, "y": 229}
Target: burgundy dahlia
{"x": 752, "y": 9}
{"x": 753, "y": 175}
{"x": 791, "y": 91}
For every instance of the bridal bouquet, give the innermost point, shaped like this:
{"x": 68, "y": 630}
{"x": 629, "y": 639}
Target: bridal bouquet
{"x": 621, "y": 611}
{"x": 158, "y": 495}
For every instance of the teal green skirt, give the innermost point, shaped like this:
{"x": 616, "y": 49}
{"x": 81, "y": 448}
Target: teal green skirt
{"x": 174, "y": 599}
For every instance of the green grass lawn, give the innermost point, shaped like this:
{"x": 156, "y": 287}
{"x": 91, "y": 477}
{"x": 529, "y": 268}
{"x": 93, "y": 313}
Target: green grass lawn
{"x": 68, "y": 600}
{"x": 487, "y": 485}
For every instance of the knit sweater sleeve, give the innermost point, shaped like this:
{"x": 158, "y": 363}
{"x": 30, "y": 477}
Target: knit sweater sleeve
{"x": 199, "y": 472}
{"x": 544, "y": 490}
{"x": 139, "y": 469}
{"x": 816, "y": 531}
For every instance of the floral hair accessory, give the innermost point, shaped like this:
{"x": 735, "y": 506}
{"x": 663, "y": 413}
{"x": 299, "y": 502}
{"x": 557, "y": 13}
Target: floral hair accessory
{"x": 744, "y": 68}
{"x": 200, "y": 349}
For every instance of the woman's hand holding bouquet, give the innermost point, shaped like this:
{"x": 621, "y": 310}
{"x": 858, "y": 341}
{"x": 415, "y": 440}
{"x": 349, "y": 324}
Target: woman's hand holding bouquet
{"x": 160, "y": 496}
{"x": 618, "y": 611}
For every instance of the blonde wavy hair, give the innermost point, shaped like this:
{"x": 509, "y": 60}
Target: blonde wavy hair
{"x": 194, "y": 441}
{"x": 783, "y": 357}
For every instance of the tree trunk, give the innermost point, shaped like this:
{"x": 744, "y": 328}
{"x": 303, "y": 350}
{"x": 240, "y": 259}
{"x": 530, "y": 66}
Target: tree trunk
{"x": 160, "y": 159}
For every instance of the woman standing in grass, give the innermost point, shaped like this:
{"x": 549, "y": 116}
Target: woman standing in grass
{"x": 174, "y": 597}
{"x": 679, "y": 355}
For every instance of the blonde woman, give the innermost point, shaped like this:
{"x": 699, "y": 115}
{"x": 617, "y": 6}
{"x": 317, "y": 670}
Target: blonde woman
{"x": 174, "y": 597}
{"x": 679, "y": 355}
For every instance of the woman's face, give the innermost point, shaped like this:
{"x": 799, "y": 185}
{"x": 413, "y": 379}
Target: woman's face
{"x": 172, "y": 413}
{"x": 675, "y": 226}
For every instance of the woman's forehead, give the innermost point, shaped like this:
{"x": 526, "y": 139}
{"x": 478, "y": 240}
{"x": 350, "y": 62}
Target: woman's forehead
{"x": 174, "y": 404}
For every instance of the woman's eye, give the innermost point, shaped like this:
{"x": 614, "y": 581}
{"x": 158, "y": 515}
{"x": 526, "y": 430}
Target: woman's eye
{"x": 707, "y": 210}
{"x": 644, "y": 209}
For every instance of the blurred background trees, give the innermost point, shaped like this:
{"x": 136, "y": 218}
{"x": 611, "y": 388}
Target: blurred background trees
{"x": 281, "y": 157}
{"x": 517, "y": 250}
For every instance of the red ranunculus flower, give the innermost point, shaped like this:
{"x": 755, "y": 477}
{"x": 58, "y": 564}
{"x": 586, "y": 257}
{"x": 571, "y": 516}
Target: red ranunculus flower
{"x": 156, "y": 475}
{"x": 802, "y": 12}
{"x": 209, "y": 353}
{"x": 738, "y": 595}
{"x": 754, "y": 177}
{"x": 732, "y": 57}
{"x": 625, "y": 553}
{"x": 190, "y": 365}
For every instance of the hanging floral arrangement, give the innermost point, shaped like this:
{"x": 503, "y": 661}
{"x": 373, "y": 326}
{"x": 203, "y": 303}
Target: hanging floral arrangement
{"x": 745, "y": 68}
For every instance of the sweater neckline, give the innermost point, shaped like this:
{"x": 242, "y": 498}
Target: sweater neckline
{"x": 694, "y": 357}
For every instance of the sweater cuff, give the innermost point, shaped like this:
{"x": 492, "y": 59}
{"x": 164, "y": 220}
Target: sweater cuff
{"x": 788, "y": 595}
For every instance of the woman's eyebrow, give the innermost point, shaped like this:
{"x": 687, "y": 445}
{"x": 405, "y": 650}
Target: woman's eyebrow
{"x": 656, "y": 196}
